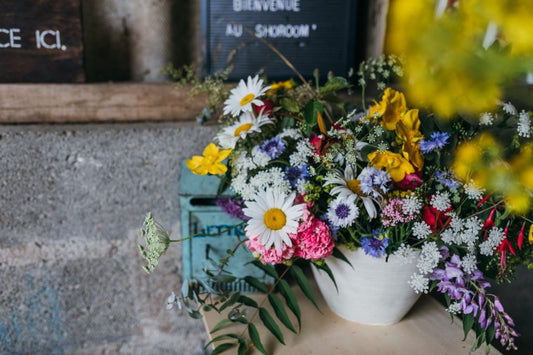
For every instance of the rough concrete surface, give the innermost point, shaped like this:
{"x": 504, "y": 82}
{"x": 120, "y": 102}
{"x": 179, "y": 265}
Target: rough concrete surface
{"x": 72, "y": 203}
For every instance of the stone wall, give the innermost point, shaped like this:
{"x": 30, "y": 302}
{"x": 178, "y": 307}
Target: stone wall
{"x": 72, "y": 204}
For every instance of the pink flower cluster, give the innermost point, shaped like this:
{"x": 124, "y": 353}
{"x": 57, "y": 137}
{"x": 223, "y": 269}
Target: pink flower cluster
{"x": 312, "y": 240}
{"x": 393, "y": 213}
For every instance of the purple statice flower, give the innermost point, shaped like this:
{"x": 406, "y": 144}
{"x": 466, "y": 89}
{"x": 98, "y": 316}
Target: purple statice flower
{"x": 274, "y": 147}
{"x": 374, "y": 246}
{"x": 295, "y": 173}
{"x": 232, "y": 207}
{"x": 445, "y": 179}
{"x": 437, "y": 141}
{"x": 374, "y": 182}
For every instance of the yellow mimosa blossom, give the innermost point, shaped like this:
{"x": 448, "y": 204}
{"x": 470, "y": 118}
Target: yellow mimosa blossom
{"x": 390, "y": 108}
{"x": 210, "y": 162}
{"x": 396, "y": 165}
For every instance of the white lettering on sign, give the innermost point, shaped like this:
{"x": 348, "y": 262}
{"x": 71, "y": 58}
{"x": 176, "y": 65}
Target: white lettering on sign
{"x": 234, "y": 30}
{"x": 49, "y": 39}
{"x": 266, "y": 5}
{"x": 283, "y": 31}
{"x": 9, "y": 39}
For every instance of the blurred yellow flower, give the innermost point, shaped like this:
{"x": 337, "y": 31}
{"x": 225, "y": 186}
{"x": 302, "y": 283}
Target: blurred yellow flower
{"x": 210, "y": 162}
{"x": 396, "y": 165}
{"x": 274, "y": 87}
{"x": 390, "y": 108}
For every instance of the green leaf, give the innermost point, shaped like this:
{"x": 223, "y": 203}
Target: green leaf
{"x": 242, "y": 347}
{"x": 299, "y": 276}
{"x": 468, "y": 323}
{"x": 247, "y": 301}
{"x": 241, "y": 320}
{"x": 339, "y": 255}
{"x": 328, "y": 271}
{"x": 491, "y": 332}
{"x": 195, "y": 315}
{"x": 279, "y": 309}
{"x": 270, "y": 324}
{"x": 268, "y": 269}
{"x": 233, "y": 299}
{"x": 224, "y": 278}
{"x": 310, "y": 115}
{"x": 334, "y": 83}
{"x": 256, "y": 340}
{"x": 222, "y": 337}
{"x": 252, "y": 281}
{"x": 289, "y": 105}
{"x": 291, "y": 300}
{"x": 222, "y": 347}
{"x": 220, "y": 325}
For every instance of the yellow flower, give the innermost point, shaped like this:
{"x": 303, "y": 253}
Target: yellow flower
{"x": 396, "y": 165}
{"x": 274, "y": 87}
{"x": 530, "y": 235}
{"x": 210, "y": 163}
{"x": 390, "y": 108}
{"x": 407, "y": 129}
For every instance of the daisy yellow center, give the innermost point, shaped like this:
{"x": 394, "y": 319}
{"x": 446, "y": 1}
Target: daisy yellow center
{"x": 245, "y": 127}
{"x": 275, "y": 219}
{"x": 354, "y": 186}
{"x": 247, "y": 99}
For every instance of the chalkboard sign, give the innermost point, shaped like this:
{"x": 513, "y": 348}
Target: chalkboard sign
{"x": 310, "y": 33}
{"x": 40, "y": 41}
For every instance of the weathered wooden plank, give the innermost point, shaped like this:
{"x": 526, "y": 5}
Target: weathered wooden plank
{"x": 32, "y": 103}
{"x": 41, "y": 41}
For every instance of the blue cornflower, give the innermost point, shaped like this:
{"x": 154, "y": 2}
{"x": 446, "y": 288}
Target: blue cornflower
{"x": 374, "y": 246}
{"x": 295, "y": 173}
{"x": 274, "y": 147}
{"x": 373, "y": 182}
{"x": 437, "y": 141}
{"x": 444, "y": 178}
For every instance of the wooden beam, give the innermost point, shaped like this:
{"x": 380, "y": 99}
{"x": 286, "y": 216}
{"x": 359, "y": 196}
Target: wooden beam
{"x": 80, "y": 103}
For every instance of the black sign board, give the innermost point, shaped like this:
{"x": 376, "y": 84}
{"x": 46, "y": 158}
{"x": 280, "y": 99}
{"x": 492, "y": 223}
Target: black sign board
{"x": 41, "y": 41}
{"x": 310, "y": 33}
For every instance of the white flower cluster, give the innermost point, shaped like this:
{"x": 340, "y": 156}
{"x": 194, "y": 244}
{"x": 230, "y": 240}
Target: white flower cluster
{"x": 441, "y": 201}
{"x": 469, "y": 263}
{"x": 454, "y": 308}
{"x": 406, "y": 254}
{"x": 304, "y": 151}
{"x": 419, "y": 283}
{"x": 524, "y": 124}
{"x": 486, "y": 119}
{"x": 496, "y": 236}
{"x": 429, "y": 258}
{"x": 421, "y": 230}
{"x": 473, "y": 192}
{"x": 260, "y": 158}
{"x": 273, "y": 177}
{"x": 290, "y": 133}
{"x": 411, "y": 205}
{"x": 509, "y": 108}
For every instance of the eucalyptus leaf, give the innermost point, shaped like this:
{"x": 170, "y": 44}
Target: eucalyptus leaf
{"x": 271, "y": 325}
{"x": 256, "y": 340}
{"x": 279, "y": 309}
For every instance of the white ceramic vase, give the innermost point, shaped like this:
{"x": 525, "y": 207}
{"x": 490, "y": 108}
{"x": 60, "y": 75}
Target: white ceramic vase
{"x": 371, "y": 291}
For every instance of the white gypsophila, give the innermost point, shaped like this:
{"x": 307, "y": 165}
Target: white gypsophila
{"x": 273, "y": 216}
{"x": 260, "y": 158}
{"x": 421, "y": 230}
{"x": 474, "y": 192}
{"x": 273, "y": 178}
{"x": 429, "y": 258}
{"x": 496, "y": 236}
{"x": 304, "y": 151}
{"x": 244, "y": 96}
{"x": 441, "y": 201}
{"x": 524, "y": 124}
{"x": 419, "y": 283}
{"x": 405, "y": 254}
{"x": 454, "y": 308}
{"x": 509, "y": 108}
{"x": 411, "y": 205}
{"x": 469, "y": 263}
{"x": 292, "y": 133}
{"x": 486, "y": 119}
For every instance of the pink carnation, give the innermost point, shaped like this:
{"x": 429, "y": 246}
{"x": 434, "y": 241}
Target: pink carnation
{"x": 272, "y": 255}
{"x": 315, "y": 240}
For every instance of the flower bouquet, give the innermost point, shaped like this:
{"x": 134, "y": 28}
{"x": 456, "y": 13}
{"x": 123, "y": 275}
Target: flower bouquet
{"x": 310, "y": 175}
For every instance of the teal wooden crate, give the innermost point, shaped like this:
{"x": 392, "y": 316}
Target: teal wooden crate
{"x": 200, "y": 214}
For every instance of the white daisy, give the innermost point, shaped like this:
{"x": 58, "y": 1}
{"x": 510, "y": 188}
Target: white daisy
{"x": 273, "y": 216}
{"x": 347, "y": 185}
{"x": 247, "y": 123}
{"x": 244, "y": 95}
{"x": 343, "y": 212}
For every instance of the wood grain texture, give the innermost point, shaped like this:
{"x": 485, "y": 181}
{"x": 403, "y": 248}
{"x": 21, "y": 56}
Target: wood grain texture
{"x": 426, "y": 329}
{"x": 75, "y": 103}
{"x": 29, "y": 59}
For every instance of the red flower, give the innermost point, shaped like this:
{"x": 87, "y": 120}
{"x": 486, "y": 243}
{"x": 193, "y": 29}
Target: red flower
{"x": 409, "y": 182}
{"x": 436, "y": 219}
{"x": 266, "y": 107}
{"x": 520, "y": 240}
